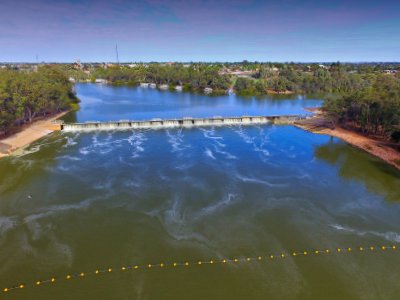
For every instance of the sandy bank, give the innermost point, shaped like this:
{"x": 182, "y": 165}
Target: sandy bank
{"x": 378, "y": 148}
{"x": 28, "y": 134}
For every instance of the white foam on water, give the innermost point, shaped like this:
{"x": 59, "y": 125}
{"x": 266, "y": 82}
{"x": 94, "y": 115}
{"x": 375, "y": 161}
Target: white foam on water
{"x": 244, "y": 136}
{"x": 101, "y": 146}
{"x": 84, "y": 151}
{"x": 257, "y": 147}
{"x": 71, "y": 140}
{"x": 184, "y": 166}
{"x": 103, "y": 185}
{"x": 177, "y": 224}
{"x": 210, "y": 134}
{"x": 225, "y": 202}
{"x": 6, "y": 224}
{"x": 259, "y": 181}
{"x": 225, "y": 153}
{"x": 27, "y": 151}
{"x": 48, "y": 211}
{"x": 136, "y": 140}
{"x": 132, "y": 184}
{"x": 209, "y": 153}
{"x": 70, "y": 157}
{"x": 390, "y": 236}
{"x": 176, "y": 141}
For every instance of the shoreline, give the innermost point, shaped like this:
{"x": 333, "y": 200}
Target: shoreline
{"x": 28, "y": 134}
{"x": 375, "y": 147}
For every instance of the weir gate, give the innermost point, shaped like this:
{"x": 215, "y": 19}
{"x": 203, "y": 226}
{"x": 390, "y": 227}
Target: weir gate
{"x": 184, "y": 122}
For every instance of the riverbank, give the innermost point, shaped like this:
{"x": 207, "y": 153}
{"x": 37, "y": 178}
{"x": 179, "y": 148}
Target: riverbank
{"x": 381, "y": 149}
{"x": 28, "y": 134}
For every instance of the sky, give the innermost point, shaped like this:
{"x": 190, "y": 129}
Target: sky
{"x": 199, "y": 30}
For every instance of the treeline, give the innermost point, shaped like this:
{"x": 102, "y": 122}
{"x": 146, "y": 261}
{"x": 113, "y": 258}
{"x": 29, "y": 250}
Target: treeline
{"x": 27, "y": 95}
{"x": 260, "y": 79}
{"x": 335, "y": 78}
{"x": 192, "y": 78}
{"x": 374, "y": 109}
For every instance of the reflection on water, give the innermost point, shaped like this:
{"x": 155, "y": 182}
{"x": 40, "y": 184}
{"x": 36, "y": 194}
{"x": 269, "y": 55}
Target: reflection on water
{"x": 354, "y": 164}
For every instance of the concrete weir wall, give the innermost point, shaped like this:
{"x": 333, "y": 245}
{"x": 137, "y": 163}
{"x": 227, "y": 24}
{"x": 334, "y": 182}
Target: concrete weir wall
{"x": 185, "y": 122}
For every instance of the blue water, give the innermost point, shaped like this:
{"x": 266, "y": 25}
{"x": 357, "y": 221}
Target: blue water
{"x": 105, "y": 103}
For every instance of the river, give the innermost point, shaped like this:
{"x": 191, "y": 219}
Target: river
{"x": 78, "y": 202}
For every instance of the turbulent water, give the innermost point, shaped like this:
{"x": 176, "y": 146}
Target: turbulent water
{"x": 77, "y": 202}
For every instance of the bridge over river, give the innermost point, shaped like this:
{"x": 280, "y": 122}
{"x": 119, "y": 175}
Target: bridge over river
{"x": 184, "y": 122}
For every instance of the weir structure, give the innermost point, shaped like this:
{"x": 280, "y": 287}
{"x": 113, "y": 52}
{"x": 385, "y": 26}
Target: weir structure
{"x": 184, "y": 122}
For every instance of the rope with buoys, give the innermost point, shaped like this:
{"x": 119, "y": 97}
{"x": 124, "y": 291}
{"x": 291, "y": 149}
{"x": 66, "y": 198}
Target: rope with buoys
{"x": 281, "y": 256}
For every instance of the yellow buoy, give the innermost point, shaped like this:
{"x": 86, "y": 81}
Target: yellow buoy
{"x": 294, "y": 253}
{"x": 123, "y": 268}
{"x": 82, "y": 274}
{"x": 38, "y": 282}
{"x": 21, "y": 286}
{"x": 224, "y": 261}
{"x": 161, "y": 265}
{"x": 68, "y": 276}
{"x": 174, "y": 264}
{"x": 393, "y": 247}
{"x": 53, "y": 279}
{"x": 305, "y": 253}
{"x": 327, "y": 251}
{"x": 211, "y": 261}
{"x": 271, "y": 257}
{"x": 316, "y": 251}
{"x": 199, "y": 263}
{"x": 186, "y": 263}
{"x": 136, "y": 267}
{"x": 248, "y": 259}
{"x": 259, "y": 258}
{"x": 383, "y": 247}
{"x": 235, "y": 260}
{"x": 109, "y": 270}
{"x": 5, "y": 290}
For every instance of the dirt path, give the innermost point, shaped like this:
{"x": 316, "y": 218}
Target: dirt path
{"x": 28, "y": 134}
{"x": 378, "y": 148}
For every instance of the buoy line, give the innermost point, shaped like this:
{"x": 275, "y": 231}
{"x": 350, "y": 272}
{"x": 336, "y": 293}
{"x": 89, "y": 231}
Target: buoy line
{"x": 271, "y": 257}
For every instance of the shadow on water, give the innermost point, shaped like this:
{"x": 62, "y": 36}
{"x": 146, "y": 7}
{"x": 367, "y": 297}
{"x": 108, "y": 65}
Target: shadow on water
{"x": 353, "y": 164}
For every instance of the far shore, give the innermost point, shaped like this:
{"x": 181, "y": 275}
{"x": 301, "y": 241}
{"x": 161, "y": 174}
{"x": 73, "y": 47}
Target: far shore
{"x": 28, "y": 134}
{"x": 381, "y": 149}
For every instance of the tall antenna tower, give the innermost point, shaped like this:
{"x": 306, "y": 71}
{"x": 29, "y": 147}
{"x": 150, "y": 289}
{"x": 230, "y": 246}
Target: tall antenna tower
{"x": 116, "y": 51}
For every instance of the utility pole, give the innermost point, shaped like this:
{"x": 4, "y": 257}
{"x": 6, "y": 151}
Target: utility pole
{"x": 116, "y": 51}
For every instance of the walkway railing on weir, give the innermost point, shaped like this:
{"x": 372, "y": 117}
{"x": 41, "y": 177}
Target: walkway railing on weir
{"x": 184, "y": 122}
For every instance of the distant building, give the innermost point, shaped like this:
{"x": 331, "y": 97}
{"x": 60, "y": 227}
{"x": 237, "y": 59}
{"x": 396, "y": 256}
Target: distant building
{"x": 101, "y": 81}
{"x": 390, "y": 71}
{"x": 208, "y": 90}
{"x": 163, "y": 86}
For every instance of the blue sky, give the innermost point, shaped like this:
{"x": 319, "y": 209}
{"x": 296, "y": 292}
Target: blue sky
{"x": 199, "y": 30}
